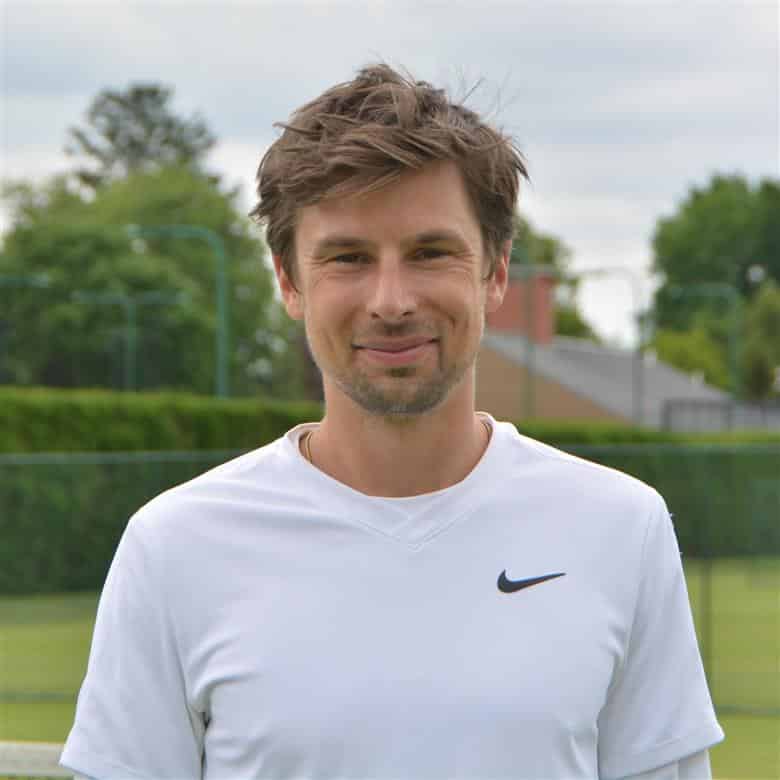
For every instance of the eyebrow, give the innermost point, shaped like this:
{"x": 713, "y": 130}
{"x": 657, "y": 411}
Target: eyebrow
{"x": 436, "y": 236}
{"x": 330, "y": 243}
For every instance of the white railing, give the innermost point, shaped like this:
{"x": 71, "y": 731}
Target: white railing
{"x": 31, "y": 759}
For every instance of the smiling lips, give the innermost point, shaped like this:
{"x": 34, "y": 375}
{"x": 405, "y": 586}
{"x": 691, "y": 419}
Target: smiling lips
{"x": 396, "y": 352}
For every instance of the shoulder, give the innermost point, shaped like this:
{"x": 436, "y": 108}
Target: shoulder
{"x": 587, "y": 503}
{"x": 576, "y": 486}
{"x": 264, "y": 477}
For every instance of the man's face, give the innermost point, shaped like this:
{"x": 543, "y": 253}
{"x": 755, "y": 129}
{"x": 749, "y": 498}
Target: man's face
{"x": 391, "y": 289}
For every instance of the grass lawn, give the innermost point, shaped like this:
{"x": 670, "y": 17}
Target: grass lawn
{"x": 744, "y": 625}
{"x": 44, "y": 644}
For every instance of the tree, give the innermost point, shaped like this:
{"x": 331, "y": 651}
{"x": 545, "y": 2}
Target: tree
{"x": 82, "y": 243}
{"x": 761, "y": 356}
{"x": 726, "y": 234}
{"x": 136, "y": 130}
{"x": 570, "y": 322}
{"x": 718, "y": 234}
{"x": 694, "y": 352}
{"x": 534, "y": 247}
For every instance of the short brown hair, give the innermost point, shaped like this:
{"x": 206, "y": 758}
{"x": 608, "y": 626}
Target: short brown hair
{"x": 362, "y": 135}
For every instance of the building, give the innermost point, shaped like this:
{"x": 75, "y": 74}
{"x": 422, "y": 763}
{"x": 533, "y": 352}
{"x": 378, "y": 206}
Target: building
{"x": 524, "y": 370}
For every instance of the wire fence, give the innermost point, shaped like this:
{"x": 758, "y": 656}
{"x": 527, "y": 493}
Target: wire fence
{"x": 725, "y": 501}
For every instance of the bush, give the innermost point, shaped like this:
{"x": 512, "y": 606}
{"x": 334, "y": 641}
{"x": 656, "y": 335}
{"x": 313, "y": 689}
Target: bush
{"x": 44, "y": 420}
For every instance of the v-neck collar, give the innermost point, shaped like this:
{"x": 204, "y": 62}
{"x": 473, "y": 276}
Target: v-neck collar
{"x": 412, "y": 520}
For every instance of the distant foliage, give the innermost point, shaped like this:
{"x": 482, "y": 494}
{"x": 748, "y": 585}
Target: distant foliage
{"x": 570, "y": 322}
{"x": 718, "y": 234}
{"x": 135, "y": 130}
{"x": 90, "y": 235}
{"x": 50, "y": 420}
{"x": 537, "y": 248}
{"x": 694, "y": 352}
{"x": 761, "y": 356}
{"x": 533, "y": 247}
{"x": 727, "y": 234}
{"x": 81, "y": 243}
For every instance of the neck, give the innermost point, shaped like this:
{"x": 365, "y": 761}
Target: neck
{"x": 385, "y": 457}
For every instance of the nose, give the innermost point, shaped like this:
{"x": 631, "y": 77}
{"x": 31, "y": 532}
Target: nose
{"x": 392, "y": 297}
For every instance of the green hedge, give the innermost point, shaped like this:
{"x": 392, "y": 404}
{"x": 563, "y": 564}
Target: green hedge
{"x": 83, "y": 462}
{"x": 46, "y": 420}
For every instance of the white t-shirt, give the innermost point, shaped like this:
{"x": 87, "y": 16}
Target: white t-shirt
{"x": 266, "y": 621}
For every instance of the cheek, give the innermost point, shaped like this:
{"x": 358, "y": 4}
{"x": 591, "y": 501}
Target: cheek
{"x": 465, "y": 300}
{"x": 327, "y": 310}
{"x": 455, "y": 287}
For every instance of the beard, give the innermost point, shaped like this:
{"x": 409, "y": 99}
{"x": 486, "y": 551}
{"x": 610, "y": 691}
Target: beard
{"x": 399, "y": 392}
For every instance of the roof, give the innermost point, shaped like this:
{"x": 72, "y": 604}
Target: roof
{"x": 605, "y": 375}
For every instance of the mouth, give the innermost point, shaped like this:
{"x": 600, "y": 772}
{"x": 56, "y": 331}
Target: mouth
{"x": 395, "y": 346}
{"x": 396, "y": 352}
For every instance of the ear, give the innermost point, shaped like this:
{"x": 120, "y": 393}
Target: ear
{"x": 496, "y": 285}
{"x": 291, "y": 297}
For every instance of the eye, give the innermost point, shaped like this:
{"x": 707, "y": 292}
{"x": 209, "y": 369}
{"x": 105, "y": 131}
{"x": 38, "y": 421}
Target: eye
{"x": 352, "y": 258}
{"x": 429, "y": 253}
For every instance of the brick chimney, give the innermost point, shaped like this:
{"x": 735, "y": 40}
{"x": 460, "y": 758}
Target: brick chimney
{"x": 528, "y": 308}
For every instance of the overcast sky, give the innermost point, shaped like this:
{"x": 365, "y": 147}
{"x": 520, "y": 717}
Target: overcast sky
{"x": 620, "y": 107}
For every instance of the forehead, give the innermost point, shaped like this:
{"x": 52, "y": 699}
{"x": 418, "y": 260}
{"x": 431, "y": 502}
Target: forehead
{"x": 433, "y": 198}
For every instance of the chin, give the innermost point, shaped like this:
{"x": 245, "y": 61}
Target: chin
{"x": 386, "y": 403}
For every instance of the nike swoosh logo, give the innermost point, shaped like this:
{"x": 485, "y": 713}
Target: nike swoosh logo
{"x": 510, "y": 586}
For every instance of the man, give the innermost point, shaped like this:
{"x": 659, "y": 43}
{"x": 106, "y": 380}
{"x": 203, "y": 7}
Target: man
{"x": 407, "y": 589}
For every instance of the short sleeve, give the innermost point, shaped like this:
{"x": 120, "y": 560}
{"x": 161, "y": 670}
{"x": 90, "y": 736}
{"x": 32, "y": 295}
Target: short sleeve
{"x": 132, "y": 718}
{"x": 695, "y": 767}
{"x": 658, "y": 707}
